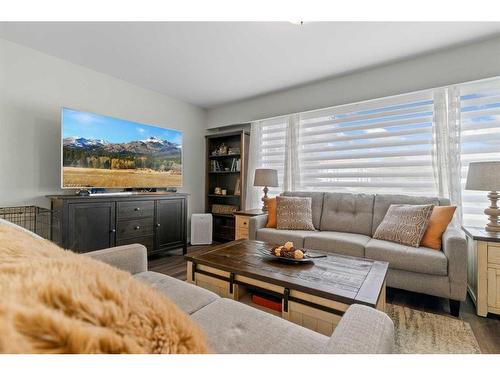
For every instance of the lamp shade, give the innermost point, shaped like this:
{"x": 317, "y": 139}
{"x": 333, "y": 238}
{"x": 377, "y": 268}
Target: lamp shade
{"x": 266, "y": 177}
{"x": 483, "y": 176}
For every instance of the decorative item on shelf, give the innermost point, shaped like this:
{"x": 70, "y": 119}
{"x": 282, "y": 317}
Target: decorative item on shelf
{"x": 485, "y": 176}
{"x": 224, "y": 209}
{"x": 226, "y": 169}
{"x": 224, "y": 192}
{"x": 265, "y": 177}
{"x": 233, "y": 151}
{"x": 237, "y": 190}
{"x": 222, "y": 149}
{"x": 217, "y": 191}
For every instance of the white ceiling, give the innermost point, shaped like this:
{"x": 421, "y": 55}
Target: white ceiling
{"x": 213, "y": 63}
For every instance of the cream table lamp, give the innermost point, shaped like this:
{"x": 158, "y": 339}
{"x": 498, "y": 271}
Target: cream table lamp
{"x": 265, "y": 177}
{"x": 485, "y": 176}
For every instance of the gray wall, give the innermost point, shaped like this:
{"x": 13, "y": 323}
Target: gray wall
{"x": 461, "y": 64}
{"x": 34, "y": 86}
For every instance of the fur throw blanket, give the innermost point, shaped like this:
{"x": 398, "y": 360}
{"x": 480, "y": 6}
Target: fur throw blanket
{"x": 56, "y": 301}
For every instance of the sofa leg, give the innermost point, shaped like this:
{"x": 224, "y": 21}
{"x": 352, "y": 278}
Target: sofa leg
{"x": 454, "y": 307}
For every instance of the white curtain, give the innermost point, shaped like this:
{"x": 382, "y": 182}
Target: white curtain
{"x": 446, "y": 147}
{"x": 446, "y": 151}
{"x": 253, "y": 193}
{"x": 291, "y": 177}
{"x": 291, "y": 166}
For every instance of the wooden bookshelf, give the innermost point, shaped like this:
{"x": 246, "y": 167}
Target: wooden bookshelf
{"x": 224, "y": 224}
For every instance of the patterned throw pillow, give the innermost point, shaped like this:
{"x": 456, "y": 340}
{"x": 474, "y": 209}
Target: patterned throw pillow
{"x": 404, "y": 224}
{"x": 294, "y": 213}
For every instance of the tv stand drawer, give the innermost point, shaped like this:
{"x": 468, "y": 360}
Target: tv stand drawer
{"x": 134, "y": 228}
{"x": 135, "y": 210}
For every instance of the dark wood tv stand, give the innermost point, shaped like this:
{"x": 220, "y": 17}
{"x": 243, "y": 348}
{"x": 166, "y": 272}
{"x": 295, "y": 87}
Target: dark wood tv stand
{"x": 156, "y": 220}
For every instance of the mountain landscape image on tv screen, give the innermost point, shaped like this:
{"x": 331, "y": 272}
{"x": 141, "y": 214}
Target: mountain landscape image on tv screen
{"x": 106, "y": 152}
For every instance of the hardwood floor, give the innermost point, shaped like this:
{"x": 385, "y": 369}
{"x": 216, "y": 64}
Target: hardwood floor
{"x": 486, "y": 330}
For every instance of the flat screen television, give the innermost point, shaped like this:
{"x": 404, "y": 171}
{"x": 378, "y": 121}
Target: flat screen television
{"x": 106, "y": 152}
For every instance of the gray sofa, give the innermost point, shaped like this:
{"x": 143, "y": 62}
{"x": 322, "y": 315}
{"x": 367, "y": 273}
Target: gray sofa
{"x": 345, "y": 224}
{"x": 233, "y": 327}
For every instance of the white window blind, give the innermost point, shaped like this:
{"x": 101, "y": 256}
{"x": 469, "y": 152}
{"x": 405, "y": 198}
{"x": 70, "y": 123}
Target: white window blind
{"x": 272, "y": 152}
{"x": 380, "y": 146}
{"x": 480, "y": 140}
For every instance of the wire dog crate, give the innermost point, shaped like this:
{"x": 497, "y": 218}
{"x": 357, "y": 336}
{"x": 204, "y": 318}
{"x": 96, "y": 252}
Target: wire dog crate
{"x": 35, "y": 219}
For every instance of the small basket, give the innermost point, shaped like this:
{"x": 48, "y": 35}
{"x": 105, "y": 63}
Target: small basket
{"x": 226, "y": 209}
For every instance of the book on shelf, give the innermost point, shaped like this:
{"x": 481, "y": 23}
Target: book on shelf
{"x": 215, "y": 166}
{"x": 235, "y": 165}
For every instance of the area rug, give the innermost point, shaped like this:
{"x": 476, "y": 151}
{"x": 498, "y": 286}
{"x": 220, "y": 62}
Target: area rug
{"x": 419, "y": 332}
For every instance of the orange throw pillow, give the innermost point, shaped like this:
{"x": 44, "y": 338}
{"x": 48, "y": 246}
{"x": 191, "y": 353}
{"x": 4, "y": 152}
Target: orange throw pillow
{"x": 441, "y": 216}
{"x": 271, "y": 213}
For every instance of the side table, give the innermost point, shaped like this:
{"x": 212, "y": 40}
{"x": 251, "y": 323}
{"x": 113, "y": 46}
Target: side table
{"x": 241, "y": 222}
{"x": 483, "y": 269}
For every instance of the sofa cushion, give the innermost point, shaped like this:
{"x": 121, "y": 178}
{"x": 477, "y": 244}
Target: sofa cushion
{"x": 245, "y": 329}
{"x": 352, "y": 244}
{"x": 294, "y": 213}
{"x": 317, "y": 203}
{"x": 345, "y": 212}
{"x": 187, "y": 297}
{"x": 383, "y": 202}
{"x": 279, "y": 236}
{"x": 408, "y": 258}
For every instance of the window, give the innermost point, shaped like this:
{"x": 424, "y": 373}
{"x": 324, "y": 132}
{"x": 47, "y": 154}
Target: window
{"x": 379, "y": 146}
{"x": 385, "y": 146}
{"x": 272, "y": 151}
{"x": 480, "y": 140}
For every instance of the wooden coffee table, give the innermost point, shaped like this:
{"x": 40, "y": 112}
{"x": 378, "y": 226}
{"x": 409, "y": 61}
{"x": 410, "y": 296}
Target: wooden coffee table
{"x": 313, "y": 295}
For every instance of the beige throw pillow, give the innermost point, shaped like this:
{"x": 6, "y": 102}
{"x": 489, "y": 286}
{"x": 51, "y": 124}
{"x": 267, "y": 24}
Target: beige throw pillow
{"x": 404, "y": 224}
{"x": 294, "y": 213}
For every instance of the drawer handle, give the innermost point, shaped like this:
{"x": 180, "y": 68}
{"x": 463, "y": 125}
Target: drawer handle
{"x": 137, "y": 209}
{"x": 113, "y": 230}
{"x": 158, "y": 225}
{"x": 137, "y": 227}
